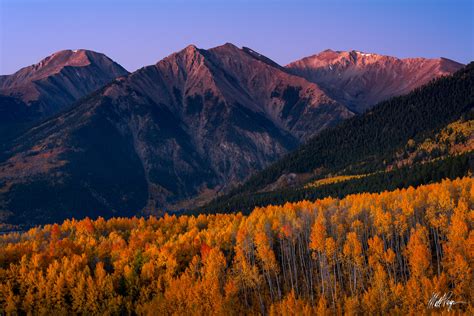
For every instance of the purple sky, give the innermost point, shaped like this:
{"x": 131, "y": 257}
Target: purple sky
{"x": 141, "y": 32}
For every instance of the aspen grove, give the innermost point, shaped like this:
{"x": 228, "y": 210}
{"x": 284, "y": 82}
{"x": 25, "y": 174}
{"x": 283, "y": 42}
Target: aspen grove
{"x": 384, "y": 253}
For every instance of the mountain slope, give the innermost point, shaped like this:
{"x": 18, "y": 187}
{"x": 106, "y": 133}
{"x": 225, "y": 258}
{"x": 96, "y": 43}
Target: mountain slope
{"x": 60, "y": 79}
{"x": 196, "y": 121}
{"x": 370, "y": 142}
{"x": 360, "y": 80}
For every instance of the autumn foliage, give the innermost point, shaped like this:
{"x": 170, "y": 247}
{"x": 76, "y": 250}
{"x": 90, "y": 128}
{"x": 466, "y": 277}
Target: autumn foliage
{"x": 383, "y": 253}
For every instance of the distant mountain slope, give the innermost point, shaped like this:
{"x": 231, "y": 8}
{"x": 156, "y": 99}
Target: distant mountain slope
{"x": 370, "y": 142}
{"x": 196, "y": 121}
{"x": 59, "y": 80}
{"x": 360, "y": 80}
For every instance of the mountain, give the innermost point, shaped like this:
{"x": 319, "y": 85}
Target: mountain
{"x": 194, "y": 123}
{"x": 361, "y": 80}
{"x": 58, "y": 80}
{"x": 245, "y": 80}
{"x": 369, "y": 148}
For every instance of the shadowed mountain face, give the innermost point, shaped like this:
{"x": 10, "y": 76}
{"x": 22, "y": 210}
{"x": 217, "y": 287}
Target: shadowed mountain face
{"x": 360, "y": 80}
{"x": 59, "y": 80}
{"x": 197, "y": 121}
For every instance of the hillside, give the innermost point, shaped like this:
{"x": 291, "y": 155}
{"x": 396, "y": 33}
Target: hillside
{"x": 384, "y": 253}
{"x": 360, "y": 80}
{"x": 369, "y": 143}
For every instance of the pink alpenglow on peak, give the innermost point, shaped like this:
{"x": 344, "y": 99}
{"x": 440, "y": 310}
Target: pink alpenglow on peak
{"x": 60, "y": 79}
{"x": 360, "y": 80}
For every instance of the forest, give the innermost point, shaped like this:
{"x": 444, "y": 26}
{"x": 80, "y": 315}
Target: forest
{"x": 450, "y": 167}
{"x": 370, "y": 253}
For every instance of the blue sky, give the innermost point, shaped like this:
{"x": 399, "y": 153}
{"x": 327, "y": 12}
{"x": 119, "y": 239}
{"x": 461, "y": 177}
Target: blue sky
{"x": 141, "y": 32}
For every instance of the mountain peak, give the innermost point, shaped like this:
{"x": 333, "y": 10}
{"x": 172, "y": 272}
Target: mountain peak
{"x": 61, "y": 59}
{"x": 57, "y": 61}
{"x": 71, "y": 56}
{"x": 353, "y": 55}
{"x": 230, "y": 46}
{"x": 329, "y": 56}
{"x": 359, "y": 80}
{"x": 188, "y": 52}
{"x": 227, "y": 48}
{"x": 188, "y": 57}
{"x": 190, "y": 48}
{"x": 77, "y": 71}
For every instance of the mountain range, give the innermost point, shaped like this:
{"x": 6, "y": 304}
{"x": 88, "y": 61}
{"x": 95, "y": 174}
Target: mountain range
{"x": 97, "y": 140}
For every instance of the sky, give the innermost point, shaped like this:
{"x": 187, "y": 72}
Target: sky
{"x": 137, "y": 33}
